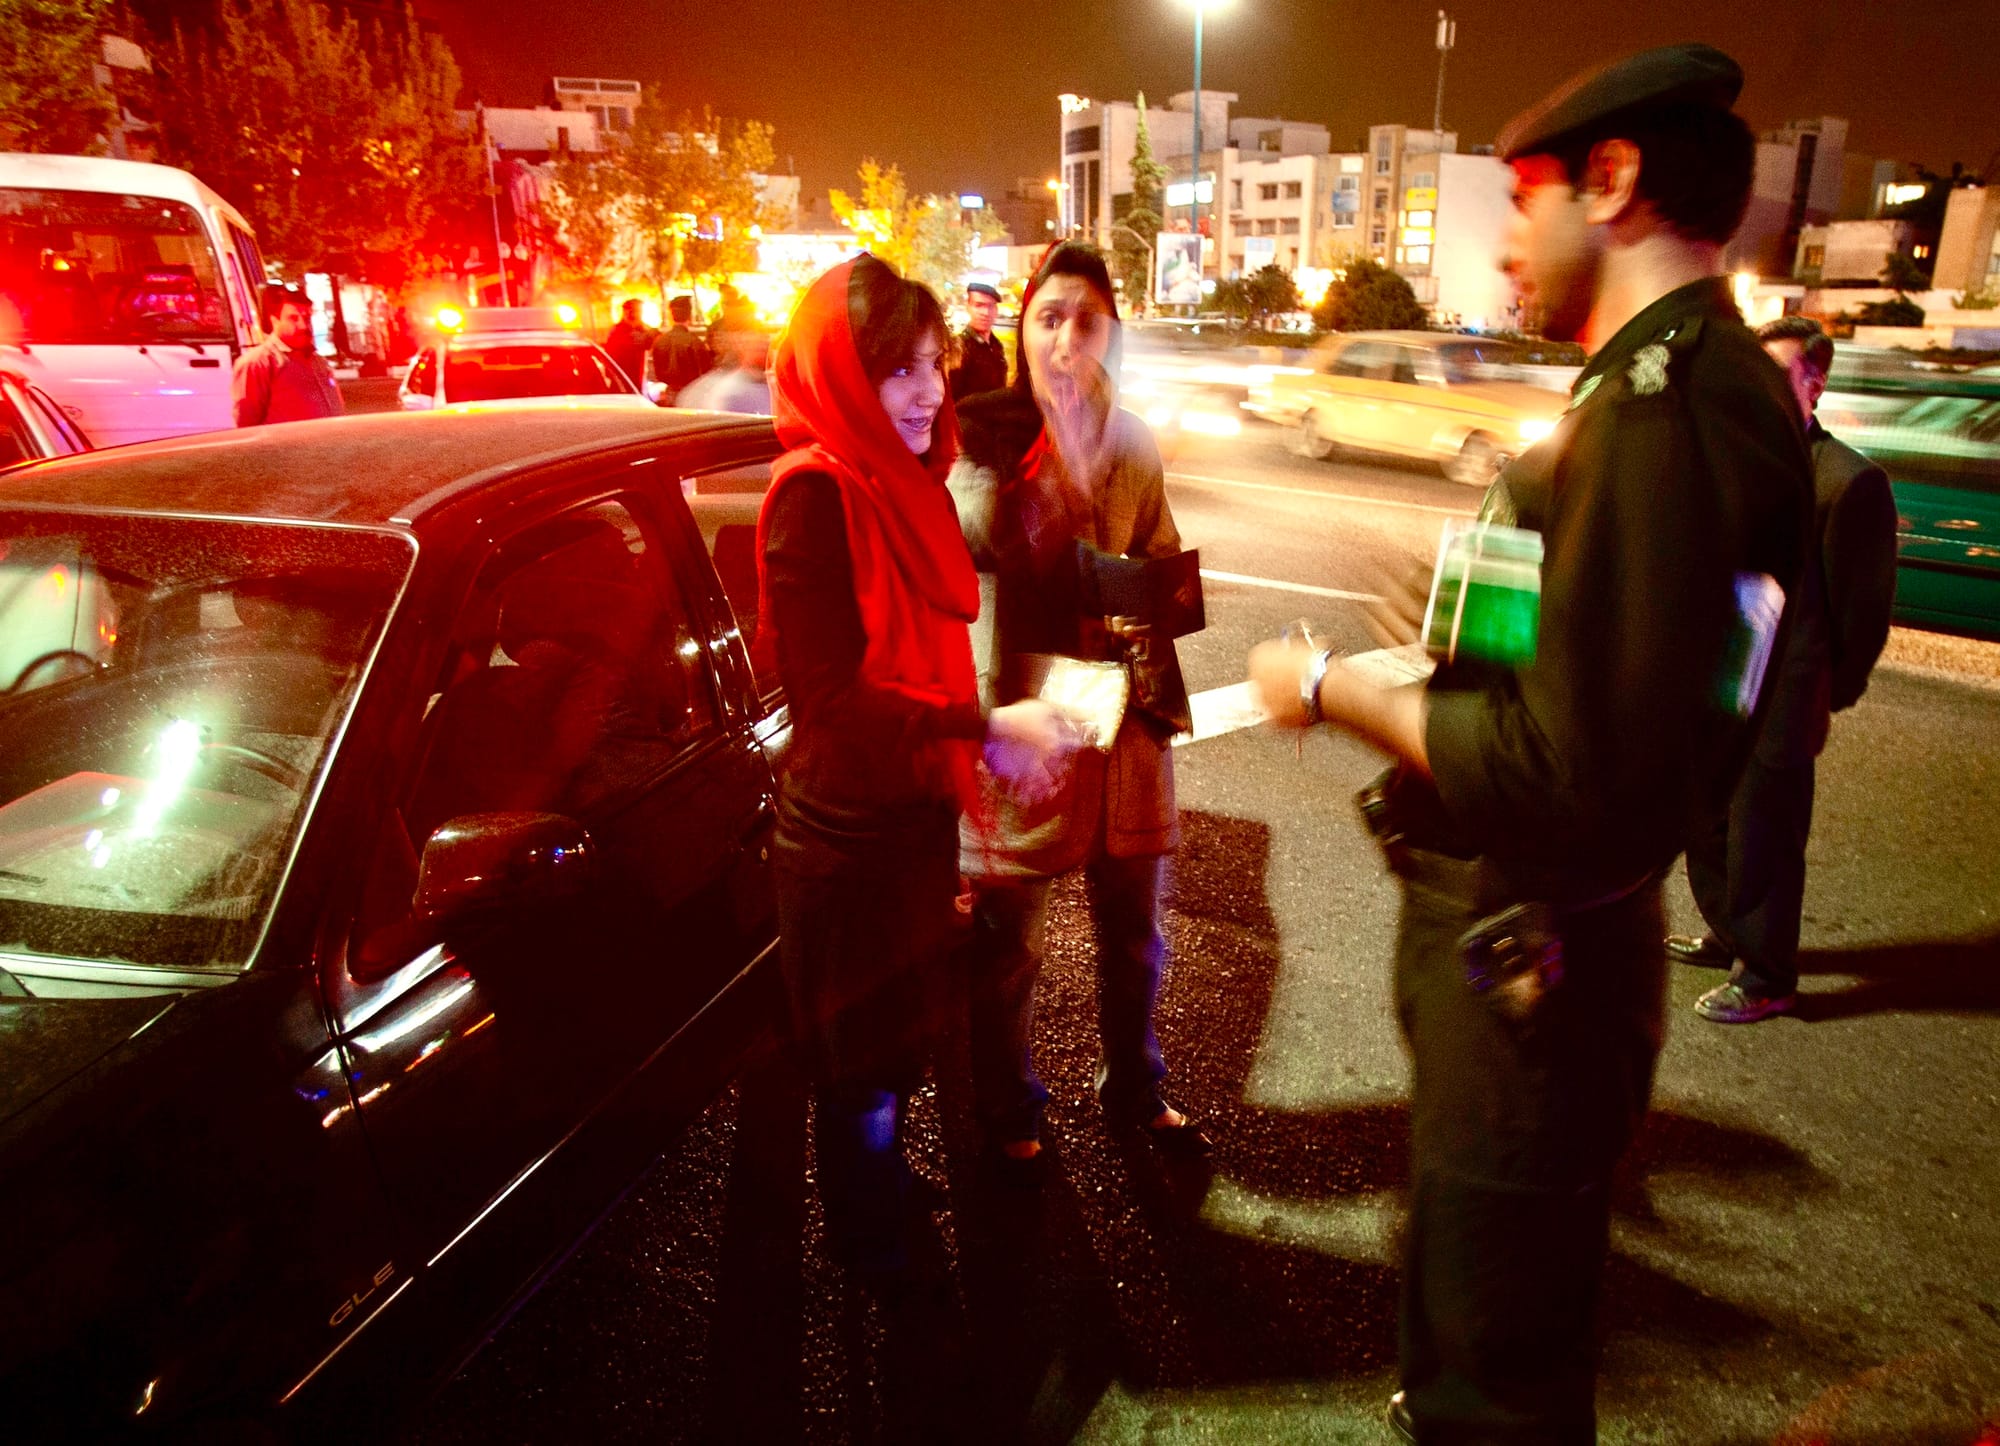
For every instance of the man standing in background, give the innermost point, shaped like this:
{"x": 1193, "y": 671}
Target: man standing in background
{"x": 982, "y": 359}
{"x": 1748, "y": 873}
{"x": 282, "y": 379}
{"x": 627, "y": 341}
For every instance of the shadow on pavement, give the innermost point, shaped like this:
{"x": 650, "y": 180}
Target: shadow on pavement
{"x": 1270, "y": 1265}
{"x": 1943, "y": 977}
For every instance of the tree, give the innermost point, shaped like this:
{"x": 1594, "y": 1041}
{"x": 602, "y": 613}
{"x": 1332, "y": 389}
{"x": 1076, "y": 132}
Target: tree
{"x": 730, "y": 208}
{"x": 49, "y": 96}
{"x": 1900, "y": 312}
{"x": 1133, "y": 251}
{"x": 339, "y": 142}
{"x": 926, "y": 238}
{"x": 1902, "y": 273}
{"x": 1369, "y": 297}
{"x": 1270, "y": 290}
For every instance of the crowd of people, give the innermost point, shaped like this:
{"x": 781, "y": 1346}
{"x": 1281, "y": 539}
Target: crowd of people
{"x": 920, "y": 549}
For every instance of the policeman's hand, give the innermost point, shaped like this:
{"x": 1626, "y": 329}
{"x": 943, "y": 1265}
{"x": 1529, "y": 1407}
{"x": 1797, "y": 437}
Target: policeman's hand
{"x": 1397, "y": 618}
{"x": 1276, "y": 668}
{"x": 1029, "y": 745}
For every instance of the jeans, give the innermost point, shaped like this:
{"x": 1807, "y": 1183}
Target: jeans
{"x": 1009, "y": 939}
{"x": 1748, "y": 874}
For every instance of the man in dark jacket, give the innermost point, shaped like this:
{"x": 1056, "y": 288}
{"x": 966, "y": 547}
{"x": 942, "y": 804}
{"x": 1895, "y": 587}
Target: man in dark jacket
{"x": 1748, "y": 871}
{"x": 283, "y": 379}
{"x": 627, "y": 342}
{"x": 1535, "y": 808}
{"x": 982, "y": 360}
{"x": 679, "y": 356}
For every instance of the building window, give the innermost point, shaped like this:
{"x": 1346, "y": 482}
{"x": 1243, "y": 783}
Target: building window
{"x": 1081, "y": 138}
{"x": 1381, "y": 165}
{"x": 1922, "y": 253}
{"x": 1344, "y": 219}
{"x": 1235, "y": 195}
{"x": 1815, "y": 257}
{"x": 1293, "y": 190}
{"x": 1350, "y": 183}
{"x": 1414, "y": 255}
{"x": 1418, "y": 218}
{"x": 1289, "y": 226}
{"x": 1267, "y": 192}
{"x": 1377, "y": 236}
{"x": 1423, "y": 180}
{"x": 1381, "y": 200}
{"x": 1267, "y": 226}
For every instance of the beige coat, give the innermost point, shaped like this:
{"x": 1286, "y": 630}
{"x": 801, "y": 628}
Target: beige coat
{"x": 1119, "y": 802}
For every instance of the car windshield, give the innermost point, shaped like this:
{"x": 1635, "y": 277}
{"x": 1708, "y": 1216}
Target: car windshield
{"x": 550, "y": 369}
{"x": 80, "y": 266}
{"x": 169, "y": 691}
{"x": 1475, "y": 361}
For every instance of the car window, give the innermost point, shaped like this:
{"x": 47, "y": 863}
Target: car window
{"x": 1475, "y": 361}
{"x": 1404, "y": 365}
{"x": 423, "y": 374}
{"x": 56, "y": 422}
{"x": 1370, "y": 360}
{"x": 575, "y": 675}
{"x": 82, "y": 266}
{"x": 725, "y": 504}
{"x": 17, "y": 443}
{"x": 499, "y": 373}
{"x": 170, "y": 689}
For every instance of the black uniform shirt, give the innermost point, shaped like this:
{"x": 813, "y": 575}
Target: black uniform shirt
{"x": 1680, "y": 464}
{"x": 982, "y": 365}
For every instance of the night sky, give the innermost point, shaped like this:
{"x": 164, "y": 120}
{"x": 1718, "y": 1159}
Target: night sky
{"x": 961, "y": 93}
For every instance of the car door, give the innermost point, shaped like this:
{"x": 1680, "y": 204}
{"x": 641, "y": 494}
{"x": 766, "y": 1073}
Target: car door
{"x": 420, "y": 383}
{"x": 1358, "y": 381}
{"x": 576, "y": 690}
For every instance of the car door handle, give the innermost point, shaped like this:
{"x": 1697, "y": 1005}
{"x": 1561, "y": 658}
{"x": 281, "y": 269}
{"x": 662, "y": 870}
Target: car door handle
{"x": 204, "y": 361}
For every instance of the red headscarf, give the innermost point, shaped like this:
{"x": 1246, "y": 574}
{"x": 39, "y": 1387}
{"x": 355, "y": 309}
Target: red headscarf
{"x": 913, "y": 577}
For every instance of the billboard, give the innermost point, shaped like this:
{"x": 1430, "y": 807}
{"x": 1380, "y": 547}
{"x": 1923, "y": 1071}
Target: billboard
{"x": 1177, "y": 269}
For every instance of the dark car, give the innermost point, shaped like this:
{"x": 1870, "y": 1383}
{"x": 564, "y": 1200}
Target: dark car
{"x": 384, "y": 874}
{"x": 32, "y": 426}
{"x": 1938, "y": 438}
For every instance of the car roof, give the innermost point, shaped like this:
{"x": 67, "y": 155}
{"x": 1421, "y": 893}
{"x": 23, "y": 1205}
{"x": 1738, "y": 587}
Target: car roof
{"x": 387, "y": 467}
{"x": 470, "y": 341}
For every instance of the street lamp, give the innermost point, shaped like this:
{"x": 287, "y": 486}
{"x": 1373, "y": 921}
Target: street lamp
{"x": 1194, "y": 191}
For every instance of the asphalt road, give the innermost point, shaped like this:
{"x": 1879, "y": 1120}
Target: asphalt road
{"x": 1805, "y": 1249}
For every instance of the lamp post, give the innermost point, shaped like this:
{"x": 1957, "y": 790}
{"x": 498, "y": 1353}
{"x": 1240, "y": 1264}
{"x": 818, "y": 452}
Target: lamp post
{"x": 1194, "y": 190}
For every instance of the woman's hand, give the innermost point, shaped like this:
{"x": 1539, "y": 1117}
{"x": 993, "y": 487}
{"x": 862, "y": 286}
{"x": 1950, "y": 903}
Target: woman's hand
{"x": 1076, "y": 399}
{"x": 1028, "y": 748}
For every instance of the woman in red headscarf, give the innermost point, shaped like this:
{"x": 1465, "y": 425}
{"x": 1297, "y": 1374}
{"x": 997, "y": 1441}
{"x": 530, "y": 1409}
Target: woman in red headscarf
{"x": 868, "y": 591}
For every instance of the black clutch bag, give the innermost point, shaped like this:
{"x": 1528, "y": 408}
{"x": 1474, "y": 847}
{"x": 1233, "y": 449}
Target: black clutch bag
{"x": 1162, "y": 592}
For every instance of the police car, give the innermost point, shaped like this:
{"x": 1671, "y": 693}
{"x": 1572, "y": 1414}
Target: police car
{"x": 505, "y": 353}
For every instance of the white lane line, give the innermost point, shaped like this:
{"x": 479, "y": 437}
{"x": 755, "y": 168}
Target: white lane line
{"x": 1244, "y": 580}
{"x": 1314, "y": 492}
{"x": 1221, "y": 710}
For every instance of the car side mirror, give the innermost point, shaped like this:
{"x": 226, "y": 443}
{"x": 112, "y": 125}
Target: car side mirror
{"x": 479, "y": 862}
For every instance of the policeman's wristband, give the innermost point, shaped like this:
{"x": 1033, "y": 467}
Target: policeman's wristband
{"x": 1309, "y": 682}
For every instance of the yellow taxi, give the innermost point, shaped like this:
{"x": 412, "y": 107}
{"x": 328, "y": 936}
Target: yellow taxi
{"x": 1456, "y": 400}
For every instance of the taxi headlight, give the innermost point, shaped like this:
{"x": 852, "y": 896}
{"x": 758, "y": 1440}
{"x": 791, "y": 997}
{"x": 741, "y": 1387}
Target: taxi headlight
{"x": 1534, "y": 429}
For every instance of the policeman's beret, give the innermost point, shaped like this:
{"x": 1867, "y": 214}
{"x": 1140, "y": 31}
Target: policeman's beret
{"x": 1673, "y": 74}
{"x": 981, "y": 288}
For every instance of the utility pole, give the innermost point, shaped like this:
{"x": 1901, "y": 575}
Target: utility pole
{"x": 1447, "y": 37}
{"x": 493, "y": 201}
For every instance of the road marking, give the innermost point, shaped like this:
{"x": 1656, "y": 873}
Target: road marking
{"x": 1244, "y": 580}
{"x": 1323, "y": 496}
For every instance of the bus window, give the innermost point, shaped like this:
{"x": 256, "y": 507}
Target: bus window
{"x": 90, "y": 267}
{"x": 252, "y": 262}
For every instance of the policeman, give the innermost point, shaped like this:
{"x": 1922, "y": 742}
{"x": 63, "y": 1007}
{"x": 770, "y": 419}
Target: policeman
{"x": 1534, "y": 809}
{"x": 982, "y": 360}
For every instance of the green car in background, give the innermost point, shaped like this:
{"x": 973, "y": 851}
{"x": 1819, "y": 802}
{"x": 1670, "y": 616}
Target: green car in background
{"x": 1938, "y": 437}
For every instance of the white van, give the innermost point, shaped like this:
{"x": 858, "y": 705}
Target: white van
{"x": 126, "y": 292}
